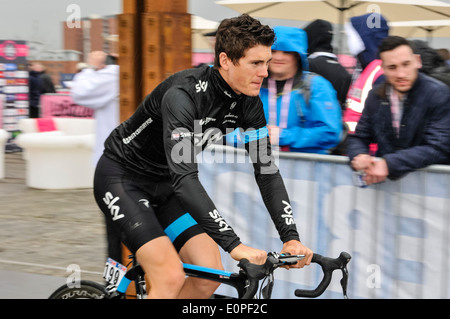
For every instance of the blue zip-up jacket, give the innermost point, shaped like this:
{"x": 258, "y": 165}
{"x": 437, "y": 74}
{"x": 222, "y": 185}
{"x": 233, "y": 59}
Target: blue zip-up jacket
{"x": 315, "y": 125}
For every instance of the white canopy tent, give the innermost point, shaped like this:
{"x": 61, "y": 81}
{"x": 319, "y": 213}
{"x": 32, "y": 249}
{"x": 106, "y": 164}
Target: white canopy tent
{"x": 335, "y": 11}
{"x": 339, "y": 11}
{"x": 421, "y": 28}
{"x": 199, "y": 27}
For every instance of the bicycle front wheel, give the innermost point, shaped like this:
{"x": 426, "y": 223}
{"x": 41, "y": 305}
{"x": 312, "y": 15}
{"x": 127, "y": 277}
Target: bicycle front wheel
{"x": 86, "y": 289}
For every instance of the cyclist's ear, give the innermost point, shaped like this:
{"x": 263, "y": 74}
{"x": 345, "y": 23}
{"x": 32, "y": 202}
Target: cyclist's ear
{"x": 224, "y": 61}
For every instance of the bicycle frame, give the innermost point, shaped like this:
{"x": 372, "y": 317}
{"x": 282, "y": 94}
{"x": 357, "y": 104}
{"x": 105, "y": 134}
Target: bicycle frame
{"x": 246, "y": 281}
{"x": 235, "y": 280}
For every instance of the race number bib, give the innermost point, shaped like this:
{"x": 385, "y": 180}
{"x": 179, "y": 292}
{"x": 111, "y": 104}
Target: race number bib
{"x": 114, "y": 272}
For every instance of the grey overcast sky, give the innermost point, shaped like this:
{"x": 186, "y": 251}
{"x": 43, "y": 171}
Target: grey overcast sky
{"x": 41, "y": 20}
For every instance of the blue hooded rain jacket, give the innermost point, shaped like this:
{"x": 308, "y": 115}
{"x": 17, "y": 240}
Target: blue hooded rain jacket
{"x": 314, "y": 122}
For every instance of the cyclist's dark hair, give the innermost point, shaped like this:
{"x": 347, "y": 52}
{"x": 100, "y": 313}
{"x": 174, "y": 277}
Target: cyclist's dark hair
{"x": 235, "y": 35}
{"x": 392, "y": 42}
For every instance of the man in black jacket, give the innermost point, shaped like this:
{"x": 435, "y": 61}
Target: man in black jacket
{"x": 323, "y": 61}
{"x": 34, "y": 92}
{"x": 40, "y": 83}
{"x": 408, "y": 117}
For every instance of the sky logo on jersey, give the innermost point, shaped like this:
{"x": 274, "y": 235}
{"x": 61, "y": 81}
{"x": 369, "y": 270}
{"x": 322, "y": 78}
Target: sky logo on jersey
{"x": 201, "y": 86}
{"x": 219, "y": 219}
{"x": 288, "y": 218}
{"x": 110, "y": 200}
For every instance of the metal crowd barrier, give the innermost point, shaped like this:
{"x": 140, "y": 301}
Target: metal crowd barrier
{"x": 396, "y": 231}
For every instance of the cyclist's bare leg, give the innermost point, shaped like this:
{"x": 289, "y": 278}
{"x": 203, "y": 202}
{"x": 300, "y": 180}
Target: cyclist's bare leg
{"x": 200, "y": 250}
{"x": 161, "y": 263}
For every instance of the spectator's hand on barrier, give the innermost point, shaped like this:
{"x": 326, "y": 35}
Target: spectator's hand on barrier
{"x": 254, "y": 255}
{"x": 294, "y": 247}
{"x": 377, "y": 171}
{"x": 361, "y": 162}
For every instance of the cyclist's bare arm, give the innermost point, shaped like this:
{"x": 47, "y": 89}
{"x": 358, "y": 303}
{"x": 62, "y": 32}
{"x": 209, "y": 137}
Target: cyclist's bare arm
{"x": 253, "y": 255}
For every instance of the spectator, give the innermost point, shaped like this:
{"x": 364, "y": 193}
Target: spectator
{"x": 432, "y": 62}
{"x": 323, "y": 61}
{"x": 39, "y": 83}
{"x": 97, "y": 87}
{"x": 47, "y": 83}
{"x": 445, "y": 54}
{"x": 408, "y": 116}
{"x": 34, "y": 92}
{"x": 301, "y": 108}
{"x": 364, "y": 37}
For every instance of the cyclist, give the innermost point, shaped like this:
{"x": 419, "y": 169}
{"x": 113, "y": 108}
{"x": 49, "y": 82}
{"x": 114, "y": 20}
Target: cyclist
{"x": 146, "y": 182}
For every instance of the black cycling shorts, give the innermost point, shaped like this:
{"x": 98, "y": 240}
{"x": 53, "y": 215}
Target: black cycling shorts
{"x": 139, "y": 208}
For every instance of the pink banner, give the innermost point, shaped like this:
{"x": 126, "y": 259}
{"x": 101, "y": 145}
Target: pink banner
{"x": 202, "y": 57}
{"x": 10, "y": 50}
{"x": 1, "y": 113}
{"x": 62, "y": 105}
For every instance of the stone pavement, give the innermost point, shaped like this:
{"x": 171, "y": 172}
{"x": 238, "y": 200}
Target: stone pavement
{"x": 44, "y": 231}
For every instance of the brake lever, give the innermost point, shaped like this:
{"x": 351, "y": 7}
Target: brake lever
{"x": 267, "y": 289}
{"x": 344, "y": 281}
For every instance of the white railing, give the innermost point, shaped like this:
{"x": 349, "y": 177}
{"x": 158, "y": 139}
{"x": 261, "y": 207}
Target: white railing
{"x": 397, "y": 232}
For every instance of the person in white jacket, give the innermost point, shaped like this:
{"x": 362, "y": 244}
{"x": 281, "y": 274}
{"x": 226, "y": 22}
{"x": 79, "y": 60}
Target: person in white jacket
{"x": 97, "y": 87}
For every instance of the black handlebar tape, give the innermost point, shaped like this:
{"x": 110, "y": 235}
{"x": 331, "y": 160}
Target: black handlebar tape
{"x": 328, "y": 266}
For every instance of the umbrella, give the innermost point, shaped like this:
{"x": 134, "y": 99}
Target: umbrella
{"x": 200, "y": 23}
{"x": 202, "y": 46}
{"x": 421, "y": 28}
{"x": 336, "y": 11}
{"x": 200, "y": 26}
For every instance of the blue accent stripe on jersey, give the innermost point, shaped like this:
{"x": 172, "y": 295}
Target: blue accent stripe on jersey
{"x": 180, "y": 225}
{"x": 254, "y": 135}
{"x": 123, "y": 285}
{"x": 209, "y": 270}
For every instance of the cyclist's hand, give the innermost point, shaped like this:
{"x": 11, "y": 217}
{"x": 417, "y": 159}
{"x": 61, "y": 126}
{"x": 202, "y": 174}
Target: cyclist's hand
{"x": 294, "y": 247}
{"x": 255, "y": 256}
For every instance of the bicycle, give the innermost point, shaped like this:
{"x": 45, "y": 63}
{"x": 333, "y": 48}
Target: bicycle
{"x": 245, "y": 281}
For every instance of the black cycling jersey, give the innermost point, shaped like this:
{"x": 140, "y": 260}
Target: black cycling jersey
{"x": 176, "y": 121}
